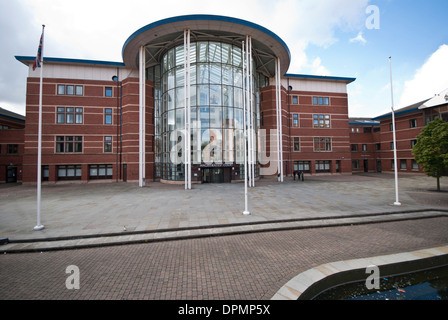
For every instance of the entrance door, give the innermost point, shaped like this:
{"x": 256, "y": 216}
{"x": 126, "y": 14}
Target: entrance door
{"x": 366, "y": 165}
{"x": 214, "y": 175}
{"x": 378, "y": 166}
{"x": 11, "y": 175}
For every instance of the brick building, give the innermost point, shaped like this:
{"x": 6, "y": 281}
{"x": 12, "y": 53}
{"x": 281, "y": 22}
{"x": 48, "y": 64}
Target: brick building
{"x": 12, "y": 137}
{"x": 125, "y": 121}
{"x": 372, "y": 139}
{"x": 120, "y": 121}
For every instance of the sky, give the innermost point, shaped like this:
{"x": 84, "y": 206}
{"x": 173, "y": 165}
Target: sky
{"x": 345, "y": 38}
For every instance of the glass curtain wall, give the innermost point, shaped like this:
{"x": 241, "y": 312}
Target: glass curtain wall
{"x": 216, "y": 79}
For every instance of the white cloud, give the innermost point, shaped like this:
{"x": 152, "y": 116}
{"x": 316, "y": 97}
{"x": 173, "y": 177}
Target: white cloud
{"x": 429, "y": 80}
{"x": 359, "y": 38}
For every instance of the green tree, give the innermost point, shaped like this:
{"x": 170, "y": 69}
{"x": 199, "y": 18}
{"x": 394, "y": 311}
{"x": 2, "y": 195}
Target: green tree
{"x": 431, "y": 150}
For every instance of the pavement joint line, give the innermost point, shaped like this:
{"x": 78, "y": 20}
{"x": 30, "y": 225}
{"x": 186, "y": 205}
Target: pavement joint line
{"x": 240, "y": 231}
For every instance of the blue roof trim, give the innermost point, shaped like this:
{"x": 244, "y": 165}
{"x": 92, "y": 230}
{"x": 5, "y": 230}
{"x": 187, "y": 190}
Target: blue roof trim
{"x": 384, "y": 116}
{"x": 307, "y": 76}
{"x": 204, "y": 17}
{"x": 74, "y": 61}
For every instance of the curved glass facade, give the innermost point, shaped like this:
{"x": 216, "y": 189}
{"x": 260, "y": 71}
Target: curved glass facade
{"x": 216, "y": 79}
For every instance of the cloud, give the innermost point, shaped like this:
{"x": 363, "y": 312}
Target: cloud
{"x": 429, "y": 80}
{"x": 359, "y": 38}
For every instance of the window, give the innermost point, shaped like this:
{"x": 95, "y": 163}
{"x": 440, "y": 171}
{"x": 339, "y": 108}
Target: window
{"x": 68, "y": 144}
{"x": 108, "y": 144}
{"x": 414, "y": 165}
{"x": 323, "y": 166}
{"x": 367, "y": 129}
{"x": 296, "y": 144}
{"x": 392, "y": 146}
{"x": 69, "y": 172}
{"x": 355, "y": 164}
{"x": 321, "y": 101}
{"x": 413, "y": 143}
{"x": 295, "y": 100}
{"x": 354, "y": 147}
{"x": 12, "y": 149}
{"x": 378, "y": 146}
{"x": 108, "y": 116}
{"x": 303, "y": 166}
{"x": 413, "y": 123}
{"x": 69, "y": 115}
{"x": 100, "y": 171}
{"x": 322, "y": 144}
{"x": 364, "y": 147}
{"x": 70, "y": 90}
{"x": 321, "y": 121}
{"x": 45, "y": 173}
{"x": 295, "y": 120}
{"x": 108, "y": 91}
{"x": 403, "y": 164}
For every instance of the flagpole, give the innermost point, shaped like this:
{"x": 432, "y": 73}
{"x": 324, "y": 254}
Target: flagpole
{"x": 397, "y": 202}
{"x": 39, "y": 226}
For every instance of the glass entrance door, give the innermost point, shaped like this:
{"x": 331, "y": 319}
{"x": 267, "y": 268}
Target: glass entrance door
{"x": 213, "y": 175}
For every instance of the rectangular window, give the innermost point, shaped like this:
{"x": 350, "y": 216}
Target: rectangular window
{"x": 79, "y": 90}
{"x": 108, "y": 144}
{"x": 108, "y": 92}
{"x": 321, "y": 121}
{"x": 108, "y": 116}
{"x": 322, "y": 144}
{"x": 323, "y": 166}
{"x": 392, "y": 146}
{"x": 68, "y": 144}
{"x": 414, "y": 165}
{"x": 70, "y": 90}
{"x": 12, "y": 149}
{"x": 61, "y": 89}
{"x": 378, "y": 146}
{"x": 355, "y": 164}
{"x": 45, "y": 173}
{"x": 303, "y": 166}
{"x": 364, "y": 147}
{"x": 295, "y": 120}
{"x": 296, "y": 144}
{"x": 354, "y": 147}
{"x": 413, "y": 123}
{"x": 413, "y": 143}
{"x": 403, "y": 164}
{"x": 69, "y": 172}
{"x": 295, "y": 100}
{"x": 100, "y": 171}
{"x": 69, "y": 115}
{"x": 321, "y": 101}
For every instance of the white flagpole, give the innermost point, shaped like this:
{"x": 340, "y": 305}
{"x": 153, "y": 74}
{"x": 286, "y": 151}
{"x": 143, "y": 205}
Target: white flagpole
{"x": 397, "y": 202}
{"x": 39, "y": 226}
{"x": 246, "y": 209}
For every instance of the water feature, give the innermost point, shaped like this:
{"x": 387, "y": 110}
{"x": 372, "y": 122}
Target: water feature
{"x": 430, "y": 284}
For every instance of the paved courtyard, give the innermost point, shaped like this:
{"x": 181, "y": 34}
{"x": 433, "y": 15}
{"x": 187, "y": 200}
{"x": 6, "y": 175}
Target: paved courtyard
{"x": 120, "y": 208}
{"x": 239, "y": 266}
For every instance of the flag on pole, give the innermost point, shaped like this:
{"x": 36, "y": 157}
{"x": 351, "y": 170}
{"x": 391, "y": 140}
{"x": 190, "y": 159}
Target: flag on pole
{"x": 38, "y": 59}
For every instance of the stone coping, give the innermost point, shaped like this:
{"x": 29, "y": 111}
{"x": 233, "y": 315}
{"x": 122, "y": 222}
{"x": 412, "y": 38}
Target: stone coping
{"x": 312, "y": 282}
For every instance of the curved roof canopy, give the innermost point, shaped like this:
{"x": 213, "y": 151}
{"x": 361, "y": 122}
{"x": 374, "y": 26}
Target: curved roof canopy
{"x": 162, "y": 35}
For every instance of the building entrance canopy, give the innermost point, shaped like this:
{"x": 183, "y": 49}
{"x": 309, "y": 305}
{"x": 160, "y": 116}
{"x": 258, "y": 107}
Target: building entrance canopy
{"x": 160, "y": 36}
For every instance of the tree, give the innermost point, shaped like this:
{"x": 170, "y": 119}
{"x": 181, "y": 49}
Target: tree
{"x": 431, "y": 150}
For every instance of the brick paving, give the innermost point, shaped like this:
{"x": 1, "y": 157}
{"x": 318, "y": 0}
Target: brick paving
{"x": 248, "y": 267}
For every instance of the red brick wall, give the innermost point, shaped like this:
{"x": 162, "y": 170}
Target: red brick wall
{"x": 93, "y": 129}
